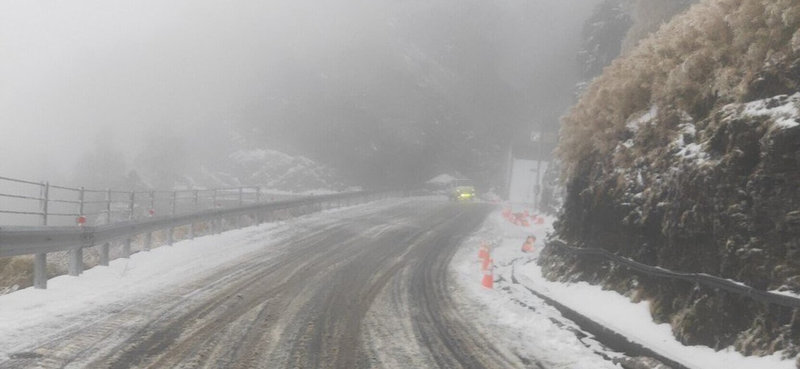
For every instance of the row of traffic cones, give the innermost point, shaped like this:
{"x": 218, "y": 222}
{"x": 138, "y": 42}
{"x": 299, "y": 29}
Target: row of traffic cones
{"x": 486, "y": 265}
{"x": 524, "y": 219}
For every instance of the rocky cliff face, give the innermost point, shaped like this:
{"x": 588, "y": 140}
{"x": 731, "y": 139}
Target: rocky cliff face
{"x": 686, "y": 154}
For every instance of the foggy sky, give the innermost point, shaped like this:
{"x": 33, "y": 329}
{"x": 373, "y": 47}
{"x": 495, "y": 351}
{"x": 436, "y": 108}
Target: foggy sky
{"x": 75, "y": 74}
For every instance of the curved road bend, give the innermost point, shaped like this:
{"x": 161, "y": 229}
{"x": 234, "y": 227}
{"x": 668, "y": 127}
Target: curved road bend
{"x": 364, "y": 292}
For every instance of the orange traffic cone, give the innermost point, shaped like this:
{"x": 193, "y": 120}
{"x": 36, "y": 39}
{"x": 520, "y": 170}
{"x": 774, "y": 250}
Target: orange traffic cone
{"x": 487, "y": 264}
{"x": 488, "y": 279}
{"x": 528, "y": 245}
{"x": 483, "y": 252}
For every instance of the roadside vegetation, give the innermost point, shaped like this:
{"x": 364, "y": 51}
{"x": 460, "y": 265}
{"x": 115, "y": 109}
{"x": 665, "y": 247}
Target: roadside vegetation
{"x": 685, "y": 153}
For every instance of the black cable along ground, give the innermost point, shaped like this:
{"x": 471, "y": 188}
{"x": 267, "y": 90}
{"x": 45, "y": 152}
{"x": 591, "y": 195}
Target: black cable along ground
{"x": 602, "y": 334}
{"x": 618, "y": 342}
{"x": 700, "y": 278}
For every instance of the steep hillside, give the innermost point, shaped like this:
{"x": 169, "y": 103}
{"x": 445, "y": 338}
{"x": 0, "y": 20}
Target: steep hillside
{"x": 685, "y": 153}
{"x": 614, "y": 27}
{"x": 270, "y": 169}
{"x": 602, "y": 36}
{"x": 648, "y": 16}
{"x": 235, "y": 158}
{"x": 274, "y": 170}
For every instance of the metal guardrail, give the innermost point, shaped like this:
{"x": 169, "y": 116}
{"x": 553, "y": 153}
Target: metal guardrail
{"x": 40, "y": 240}
{"x": 27, "y": 202}
{"x": 700, "y": 278}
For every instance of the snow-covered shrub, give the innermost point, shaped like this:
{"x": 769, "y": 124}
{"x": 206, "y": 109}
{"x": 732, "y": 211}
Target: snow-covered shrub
{"x": 720, "y": 51}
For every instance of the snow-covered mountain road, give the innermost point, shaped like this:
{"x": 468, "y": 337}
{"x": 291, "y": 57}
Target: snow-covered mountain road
{"x": 357, "y": 289}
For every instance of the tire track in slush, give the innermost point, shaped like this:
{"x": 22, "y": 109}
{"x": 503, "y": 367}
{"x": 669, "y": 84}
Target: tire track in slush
{"x": 318, "y": 305}
{"x": 432, "y": 332}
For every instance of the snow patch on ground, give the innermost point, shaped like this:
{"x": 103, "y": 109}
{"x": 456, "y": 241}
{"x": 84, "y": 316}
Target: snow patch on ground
{"x": 609, "y": 308}
{"x": 525, "y": 319}
{"x": 782, "y": 109}
{"x": 645, "y": 118}
{"x": 685, "y": 145}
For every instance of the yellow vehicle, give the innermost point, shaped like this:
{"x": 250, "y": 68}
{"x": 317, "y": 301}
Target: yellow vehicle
{"x": 463, "y": 193}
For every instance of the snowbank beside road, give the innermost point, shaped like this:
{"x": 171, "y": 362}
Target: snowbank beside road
{"x": 516, "y": 319}
{"x": 632, "y": 320}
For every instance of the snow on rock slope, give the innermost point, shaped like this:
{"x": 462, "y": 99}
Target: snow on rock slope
{"x": 685, "y": 154}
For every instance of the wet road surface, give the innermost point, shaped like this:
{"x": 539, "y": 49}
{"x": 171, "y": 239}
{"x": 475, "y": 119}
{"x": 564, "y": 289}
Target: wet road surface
{"x": 368, "y": 291}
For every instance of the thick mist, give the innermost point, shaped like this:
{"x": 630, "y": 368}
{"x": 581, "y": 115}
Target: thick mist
{"x": 383, "y": 91}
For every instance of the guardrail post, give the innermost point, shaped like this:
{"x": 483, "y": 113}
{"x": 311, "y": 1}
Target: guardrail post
{"x": 259, "y": 214}
{"x": 126, "y": 245}
{"x": 148, "y": 240}
{"x": 40, "y": 271}
{"x": 174, "y": 202}
{"x": 152, "y": 202}
{"x": 104, "y": 259}
{"x": 196, "y": 207}
{"x": 239, "y": 222}
{"x": 45, "y": 201}
{"x": 108, "y": 206}
{"x": 81, "y": 195}
{"x": 126, "y": 248}
{"x": 171, "y": 231}
{"x": 76, "y": 262}
{"x": 131, "y": 205}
